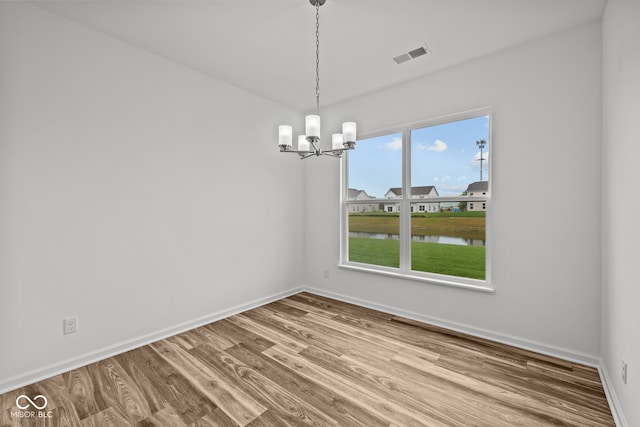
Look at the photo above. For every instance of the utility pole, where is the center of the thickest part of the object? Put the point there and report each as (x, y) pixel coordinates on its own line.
(481, 144)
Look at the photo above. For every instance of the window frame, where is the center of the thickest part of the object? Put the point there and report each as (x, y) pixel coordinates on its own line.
(404, 270)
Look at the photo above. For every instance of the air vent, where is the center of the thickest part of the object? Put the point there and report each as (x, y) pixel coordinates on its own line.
(402, 58)
(412, 54)
(418, 52)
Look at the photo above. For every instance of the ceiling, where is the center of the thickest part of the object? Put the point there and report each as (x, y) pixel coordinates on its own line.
(268, 46)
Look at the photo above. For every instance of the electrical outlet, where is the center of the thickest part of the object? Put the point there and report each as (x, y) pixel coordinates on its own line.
(70, 325)
(326, 272)
(624, 371)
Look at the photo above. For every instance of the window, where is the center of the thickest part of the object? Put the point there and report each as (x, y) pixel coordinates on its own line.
(428, 198)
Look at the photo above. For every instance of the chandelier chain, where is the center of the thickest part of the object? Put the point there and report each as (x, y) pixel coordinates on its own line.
(318, 57)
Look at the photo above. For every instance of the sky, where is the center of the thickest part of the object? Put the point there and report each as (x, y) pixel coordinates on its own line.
(445, 156)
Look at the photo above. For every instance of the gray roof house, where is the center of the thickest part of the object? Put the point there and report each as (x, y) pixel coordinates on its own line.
(423, 191)
(477, 189)
(355, 194)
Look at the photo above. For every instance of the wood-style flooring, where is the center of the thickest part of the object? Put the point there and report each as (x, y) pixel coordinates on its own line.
(307, 360)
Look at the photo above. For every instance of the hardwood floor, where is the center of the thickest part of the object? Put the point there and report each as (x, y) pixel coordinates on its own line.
(310, 360)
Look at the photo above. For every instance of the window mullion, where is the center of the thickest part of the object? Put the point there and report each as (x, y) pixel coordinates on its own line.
(344, 212)
(405, 211)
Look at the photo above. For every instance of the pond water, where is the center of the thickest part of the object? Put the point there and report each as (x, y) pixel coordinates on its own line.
(447, 240)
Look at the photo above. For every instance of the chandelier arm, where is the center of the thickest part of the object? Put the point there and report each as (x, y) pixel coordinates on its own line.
(316, 152)
(330, 153)
(314, 143)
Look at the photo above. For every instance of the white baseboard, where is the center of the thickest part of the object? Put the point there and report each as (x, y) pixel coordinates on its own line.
(92, 357)
(40, 374)
(614, 403)
(562, 353)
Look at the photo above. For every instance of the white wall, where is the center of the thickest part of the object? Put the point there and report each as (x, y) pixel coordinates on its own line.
(124, 191)
(546, 100)
(123, 180)
(620, 230)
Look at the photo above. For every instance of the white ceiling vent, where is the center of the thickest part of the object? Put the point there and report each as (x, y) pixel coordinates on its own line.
(412, 54)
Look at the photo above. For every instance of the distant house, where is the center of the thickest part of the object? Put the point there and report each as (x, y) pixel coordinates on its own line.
(423, 192)
(477, 189)
(355, 194)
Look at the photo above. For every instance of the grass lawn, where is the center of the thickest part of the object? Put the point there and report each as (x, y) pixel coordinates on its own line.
(375, 251)
(469, 225)
(452, 260)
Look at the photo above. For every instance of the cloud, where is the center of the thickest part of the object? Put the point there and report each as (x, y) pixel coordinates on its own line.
(441, 179)
(475, 165)
(484, 154)
(395, 144)
(462, 178)
(438, 146)
(475, 160)
(420, 146)
(452, 189)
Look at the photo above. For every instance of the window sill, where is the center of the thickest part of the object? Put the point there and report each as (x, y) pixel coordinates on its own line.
(470, 284)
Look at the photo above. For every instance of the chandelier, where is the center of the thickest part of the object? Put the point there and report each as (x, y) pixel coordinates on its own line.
(309, 143)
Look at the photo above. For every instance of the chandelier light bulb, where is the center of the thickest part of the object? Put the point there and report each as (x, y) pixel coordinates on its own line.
(337, 141)
(303, 144)
(312, 126)
(285, 133)
(349, 131)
